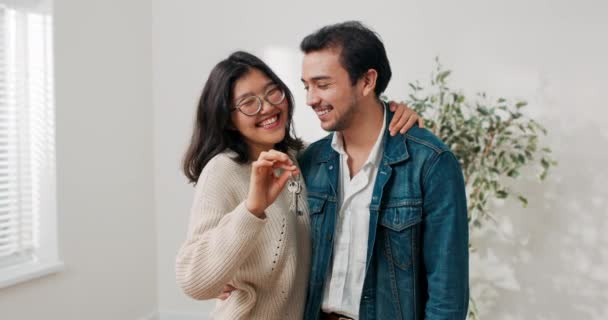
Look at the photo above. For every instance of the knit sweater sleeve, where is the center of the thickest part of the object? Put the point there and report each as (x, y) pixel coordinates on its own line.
(221, 234)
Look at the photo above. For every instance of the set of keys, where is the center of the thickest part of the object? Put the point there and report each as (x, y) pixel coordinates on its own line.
(294, 187)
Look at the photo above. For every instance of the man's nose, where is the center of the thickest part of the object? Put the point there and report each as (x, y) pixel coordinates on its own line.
(312, 98)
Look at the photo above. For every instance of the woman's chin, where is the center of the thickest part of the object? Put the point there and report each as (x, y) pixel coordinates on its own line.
(278, 138)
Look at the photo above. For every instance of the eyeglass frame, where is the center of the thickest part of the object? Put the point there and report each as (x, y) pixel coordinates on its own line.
(261, 101)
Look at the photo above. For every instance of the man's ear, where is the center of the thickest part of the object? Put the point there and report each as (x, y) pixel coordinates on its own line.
(368, 80)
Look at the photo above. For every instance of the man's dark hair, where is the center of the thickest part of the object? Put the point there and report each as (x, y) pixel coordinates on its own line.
(360, 50)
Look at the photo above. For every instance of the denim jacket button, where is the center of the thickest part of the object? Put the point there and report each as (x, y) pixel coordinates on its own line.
(331, 167)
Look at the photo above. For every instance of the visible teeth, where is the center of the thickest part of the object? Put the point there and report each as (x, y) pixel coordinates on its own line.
(321, 112)
(270, 121)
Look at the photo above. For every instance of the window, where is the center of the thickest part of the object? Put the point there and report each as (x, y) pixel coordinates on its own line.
(28, 230)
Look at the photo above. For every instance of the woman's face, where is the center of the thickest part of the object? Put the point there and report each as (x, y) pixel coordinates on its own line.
(266, 128)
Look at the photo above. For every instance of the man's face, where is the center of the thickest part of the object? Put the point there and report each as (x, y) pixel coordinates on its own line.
(330, 92)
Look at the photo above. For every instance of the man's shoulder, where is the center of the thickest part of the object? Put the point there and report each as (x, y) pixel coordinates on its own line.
(427, 149)
(422, 139)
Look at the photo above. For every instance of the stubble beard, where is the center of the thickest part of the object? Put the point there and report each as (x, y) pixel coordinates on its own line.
(345, 121)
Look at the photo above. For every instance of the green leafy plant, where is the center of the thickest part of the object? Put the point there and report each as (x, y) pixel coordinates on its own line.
(493, 139)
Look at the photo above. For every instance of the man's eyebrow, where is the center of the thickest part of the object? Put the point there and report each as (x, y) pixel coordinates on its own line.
(318, 78)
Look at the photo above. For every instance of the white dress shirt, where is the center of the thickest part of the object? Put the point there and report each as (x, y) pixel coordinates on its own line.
(343, 287)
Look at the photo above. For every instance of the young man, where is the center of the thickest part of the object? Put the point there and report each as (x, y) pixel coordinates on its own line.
(388, 213)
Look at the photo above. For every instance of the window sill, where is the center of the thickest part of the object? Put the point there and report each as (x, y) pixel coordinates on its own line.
(19, 273)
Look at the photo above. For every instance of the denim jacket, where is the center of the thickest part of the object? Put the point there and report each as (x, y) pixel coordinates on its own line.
(417, 256)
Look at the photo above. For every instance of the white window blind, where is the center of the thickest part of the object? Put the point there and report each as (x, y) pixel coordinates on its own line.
(27, 133)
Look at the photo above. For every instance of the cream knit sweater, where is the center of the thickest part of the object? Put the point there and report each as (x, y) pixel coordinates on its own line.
(267, 261)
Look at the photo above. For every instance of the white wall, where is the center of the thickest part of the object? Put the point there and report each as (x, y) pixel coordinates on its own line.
(105, 169)
(552, 259)
(120, 138)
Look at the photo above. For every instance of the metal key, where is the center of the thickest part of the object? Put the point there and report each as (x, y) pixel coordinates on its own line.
(294, 187)
(295, 202)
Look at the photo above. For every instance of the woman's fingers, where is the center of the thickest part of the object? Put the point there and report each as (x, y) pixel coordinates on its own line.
(261, 163)
(274, 159)
(274, 155)
(399, 110)
(226, 291)
(404, 118)
(281, 181)
(410, 123)
(392, 105)
(271, 165)
(399, 123)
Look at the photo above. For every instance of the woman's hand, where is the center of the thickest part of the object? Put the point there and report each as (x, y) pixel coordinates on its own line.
(265, 186)
(404, 118)
(226, 292)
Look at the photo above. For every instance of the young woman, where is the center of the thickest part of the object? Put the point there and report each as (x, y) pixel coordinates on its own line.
(247, 231)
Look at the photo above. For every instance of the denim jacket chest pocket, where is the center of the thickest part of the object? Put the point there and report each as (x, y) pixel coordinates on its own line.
(315, 203)
(400, 222)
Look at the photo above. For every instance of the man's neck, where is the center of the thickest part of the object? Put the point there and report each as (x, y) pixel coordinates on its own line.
(365, 127)
(359, 139)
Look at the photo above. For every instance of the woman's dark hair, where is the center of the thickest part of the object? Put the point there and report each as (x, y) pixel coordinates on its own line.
(360, 50)
(212, 127)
